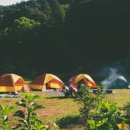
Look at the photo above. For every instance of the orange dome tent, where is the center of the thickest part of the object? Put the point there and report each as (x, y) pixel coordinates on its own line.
(11, 83)
(86, 79)
(46, 81)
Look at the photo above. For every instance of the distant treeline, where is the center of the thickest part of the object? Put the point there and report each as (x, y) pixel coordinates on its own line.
(63, 36)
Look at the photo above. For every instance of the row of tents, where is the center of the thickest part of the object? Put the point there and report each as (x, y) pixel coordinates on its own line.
(44, 82)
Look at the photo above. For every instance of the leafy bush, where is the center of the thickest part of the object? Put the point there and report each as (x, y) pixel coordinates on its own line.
(29, 120)
(69, 120)
(28, 117)
(97, 113)
(4, 111)
(126, 112)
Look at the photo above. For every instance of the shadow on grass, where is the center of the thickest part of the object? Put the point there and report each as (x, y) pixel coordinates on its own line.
(57, 97)
(69, 121)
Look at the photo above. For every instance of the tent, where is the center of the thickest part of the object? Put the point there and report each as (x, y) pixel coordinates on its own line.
(119, 82)
(75, 81)
(116, 82)
(11, 83)
(45, 82)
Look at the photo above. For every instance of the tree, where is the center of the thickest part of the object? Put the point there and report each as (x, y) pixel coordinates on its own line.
(24, 23)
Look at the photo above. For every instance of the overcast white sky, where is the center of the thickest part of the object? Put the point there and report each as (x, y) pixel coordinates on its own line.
(10, 2)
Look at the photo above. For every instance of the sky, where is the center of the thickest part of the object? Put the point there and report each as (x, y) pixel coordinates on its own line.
(10, 2)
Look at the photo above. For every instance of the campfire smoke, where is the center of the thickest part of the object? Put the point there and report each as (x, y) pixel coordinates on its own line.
(114, 80)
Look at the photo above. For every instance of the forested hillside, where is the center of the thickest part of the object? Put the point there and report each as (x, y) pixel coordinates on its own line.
(64, 36)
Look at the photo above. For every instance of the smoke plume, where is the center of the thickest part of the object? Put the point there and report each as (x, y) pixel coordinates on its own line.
(114, 80)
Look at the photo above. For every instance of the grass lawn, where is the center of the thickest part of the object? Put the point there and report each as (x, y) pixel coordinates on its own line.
(120, 96)
(65, 110)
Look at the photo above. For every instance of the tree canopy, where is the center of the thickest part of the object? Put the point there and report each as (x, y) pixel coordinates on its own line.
(62, 35)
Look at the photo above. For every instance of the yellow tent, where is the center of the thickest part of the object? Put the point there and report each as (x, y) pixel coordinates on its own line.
(11, 83)
(85, 78)
(46, 81)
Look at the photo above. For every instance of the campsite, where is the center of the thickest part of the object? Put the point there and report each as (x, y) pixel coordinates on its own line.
(64, 64)
(56, 107)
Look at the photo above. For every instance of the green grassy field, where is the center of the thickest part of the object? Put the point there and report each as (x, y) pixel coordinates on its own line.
(57, 108)
(120, 96)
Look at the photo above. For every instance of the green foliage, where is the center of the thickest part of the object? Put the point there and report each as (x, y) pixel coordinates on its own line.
(58, 13)
(89, 101)
(52, 126)
(27, 117)
(97, 113)
(126, 112)
(69, 120)
(66, 8)
(29, 120)
(4, 111)
(126, 108)
(106, 116)
(72, 27)
(24, 23)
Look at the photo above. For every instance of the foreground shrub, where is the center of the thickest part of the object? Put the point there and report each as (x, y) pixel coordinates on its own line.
(69, 120)
(97, 113)
(4, 111)
(29, 120)
(126, 112)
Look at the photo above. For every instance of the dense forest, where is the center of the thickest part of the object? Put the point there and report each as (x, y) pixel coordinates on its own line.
(64, 37)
